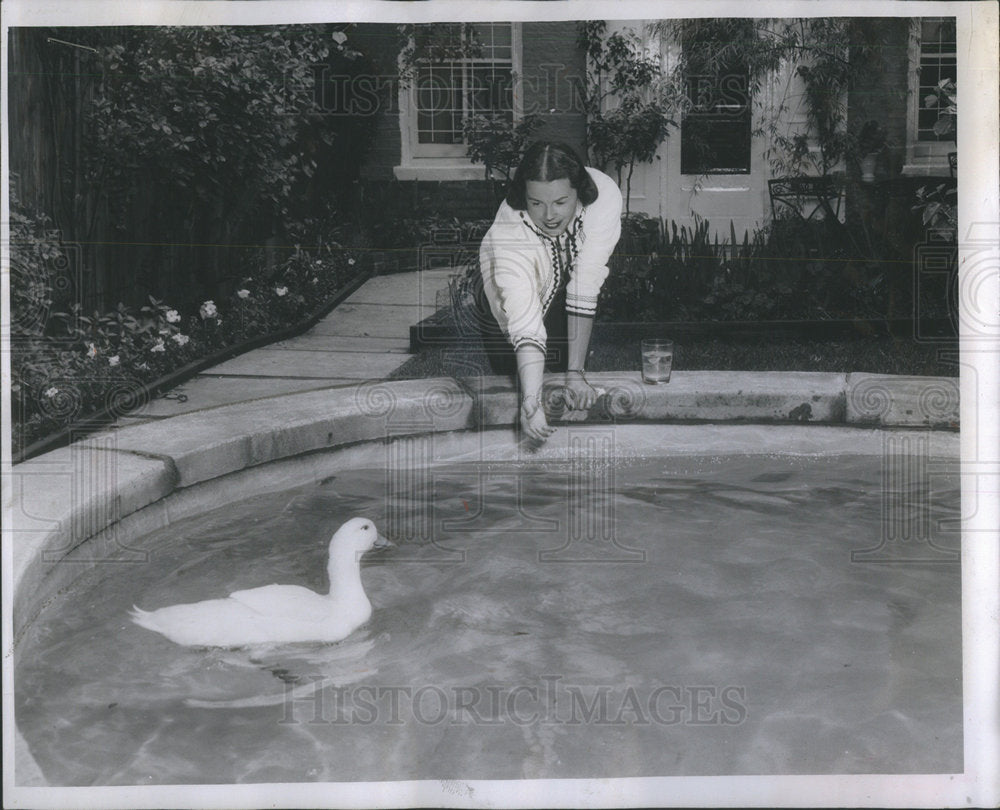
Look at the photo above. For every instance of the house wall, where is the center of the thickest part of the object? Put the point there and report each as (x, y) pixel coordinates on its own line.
(883, 97)
(660, 189)
(553, 71)
(884, 208)
(552, 74)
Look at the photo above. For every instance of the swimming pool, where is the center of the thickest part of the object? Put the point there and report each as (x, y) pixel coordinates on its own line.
(634, 600)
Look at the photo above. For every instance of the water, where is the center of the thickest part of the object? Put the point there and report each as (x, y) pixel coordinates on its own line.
(656, 366)
(663, 617)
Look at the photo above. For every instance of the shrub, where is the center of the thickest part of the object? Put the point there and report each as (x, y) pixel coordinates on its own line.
(790, 269)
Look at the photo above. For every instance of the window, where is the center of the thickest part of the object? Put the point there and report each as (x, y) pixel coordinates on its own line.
(474, 75)
(937, 63)
(715, 132)
(932, 58)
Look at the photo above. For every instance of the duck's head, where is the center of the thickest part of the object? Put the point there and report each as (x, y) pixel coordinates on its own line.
(358, 535)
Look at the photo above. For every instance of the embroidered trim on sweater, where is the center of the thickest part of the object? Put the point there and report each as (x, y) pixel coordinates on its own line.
(568, 243)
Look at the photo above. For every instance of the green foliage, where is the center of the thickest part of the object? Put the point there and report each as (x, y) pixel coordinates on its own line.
(945, 98)
(938, 207)
(631, 105)
(497, 141)
(434, 43)
(791, 269)
(214, 114)
(175, 144)
(35, 253)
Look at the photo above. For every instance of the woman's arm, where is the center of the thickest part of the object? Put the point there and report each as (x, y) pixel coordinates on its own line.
(506, 262)
(601, 230)
(578, 328)
(530, 368)
(582, 393)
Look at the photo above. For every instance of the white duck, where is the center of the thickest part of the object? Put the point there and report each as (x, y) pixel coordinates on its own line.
(276, 614)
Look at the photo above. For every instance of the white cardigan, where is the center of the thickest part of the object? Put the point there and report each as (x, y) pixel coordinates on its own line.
(516, 263)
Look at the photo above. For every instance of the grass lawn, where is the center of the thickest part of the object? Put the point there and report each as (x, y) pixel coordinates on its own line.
(881, 355)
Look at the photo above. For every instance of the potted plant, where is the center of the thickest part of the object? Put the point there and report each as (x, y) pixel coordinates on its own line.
(871, 144)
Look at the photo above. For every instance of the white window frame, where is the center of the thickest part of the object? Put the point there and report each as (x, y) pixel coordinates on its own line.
(446, 161)
(923, 158)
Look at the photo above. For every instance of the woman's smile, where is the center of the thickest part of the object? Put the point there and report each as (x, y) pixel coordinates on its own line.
(551, 204)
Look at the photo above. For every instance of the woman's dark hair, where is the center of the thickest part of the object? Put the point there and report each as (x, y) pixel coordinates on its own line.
(550, 160)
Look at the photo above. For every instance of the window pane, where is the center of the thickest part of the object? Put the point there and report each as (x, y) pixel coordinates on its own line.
(716, 144)
(937, 63)
(715, 132)
(490, 89)
(493, 41)
(439, 104)
(450, 89)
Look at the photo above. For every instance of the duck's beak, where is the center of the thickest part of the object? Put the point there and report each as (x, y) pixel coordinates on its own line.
(381, 541)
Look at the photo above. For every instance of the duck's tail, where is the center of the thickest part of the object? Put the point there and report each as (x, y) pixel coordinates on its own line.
(142, 618)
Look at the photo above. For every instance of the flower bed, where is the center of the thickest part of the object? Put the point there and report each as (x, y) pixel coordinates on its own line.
(72, 371)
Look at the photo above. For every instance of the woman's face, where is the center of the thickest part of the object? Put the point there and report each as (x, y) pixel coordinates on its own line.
(551, 204)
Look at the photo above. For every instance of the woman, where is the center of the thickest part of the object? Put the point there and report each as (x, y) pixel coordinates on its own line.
(543, 262)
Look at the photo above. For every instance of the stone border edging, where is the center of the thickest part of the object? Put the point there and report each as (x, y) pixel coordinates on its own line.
(65, 497)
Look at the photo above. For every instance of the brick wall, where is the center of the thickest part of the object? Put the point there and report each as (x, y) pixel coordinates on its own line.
(554, 72)
(883, 95)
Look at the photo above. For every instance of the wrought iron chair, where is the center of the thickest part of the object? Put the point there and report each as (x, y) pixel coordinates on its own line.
(819, 195)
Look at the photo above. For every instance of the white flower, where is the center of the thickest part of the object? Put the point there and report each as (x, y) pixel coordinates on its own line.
(51, 392)
(180, 340)
(173, 316)
(114, 360)
(91, 350)
(158, 346)
(351, 262)
(314, 280)
(280, 291)
(144, 366)
(243, 293)
(208, 310)
(339, 37)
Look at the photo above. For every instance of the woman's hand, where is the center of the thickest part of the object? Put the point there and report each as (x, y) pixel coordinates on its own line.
(533, 422)
(582, 395)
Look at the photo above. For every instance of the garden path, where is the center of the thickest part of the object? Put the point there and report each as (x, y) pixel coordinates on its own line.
(365, 337)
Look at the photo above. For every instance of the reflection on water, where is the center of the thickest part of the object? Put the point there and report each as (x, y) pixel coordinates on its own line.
(675, 617)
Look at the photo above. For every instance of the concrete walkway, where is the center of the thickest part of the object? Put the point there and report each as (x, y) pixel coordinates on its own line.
(365, 337)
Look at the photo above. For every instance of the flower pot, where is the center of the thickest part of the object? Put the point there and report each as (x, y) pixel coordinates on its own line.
(868, 167)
